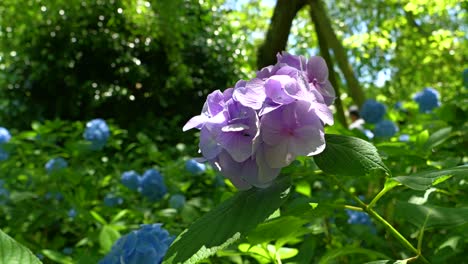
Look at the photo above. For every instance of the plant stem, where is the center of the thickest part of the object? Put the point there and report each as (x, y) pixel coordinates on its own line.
(384, 222)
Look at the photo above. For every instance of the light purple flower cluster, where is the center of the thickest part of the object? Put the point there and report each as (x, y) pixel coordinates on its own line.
(251, 131)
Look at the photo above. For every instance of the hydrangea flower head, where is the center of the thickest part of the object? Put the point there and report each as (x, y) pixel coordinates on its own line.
(177, 201)
(147, 245)
(55, 164)
(5, 135)
(97, 132)
(111, 200)
(195, 167)
(152, 185)
(249, 132)
(372, 111)
(428, 99)
(360, 218)
(131, 180)
(385, 129)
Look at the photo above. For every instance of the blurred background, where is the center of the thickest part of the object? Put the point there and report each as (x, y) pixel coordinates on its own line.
(148, 65)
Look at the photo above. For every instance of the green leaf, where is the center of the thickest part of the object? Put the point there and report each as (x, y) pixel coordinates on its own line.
(228, 222)
(436, 216)
(107, 237)
(422, 181)
(12, 252)
(57, 256)
(438, 137)
(350, 156)
(332, 254)
(286, 227)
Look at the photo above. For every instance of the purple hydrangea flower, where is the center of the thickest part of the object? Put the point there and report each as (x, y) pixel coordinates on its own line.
(428, 99)
(55, 164)
(372, 111)
(131, 180)
(97, 132)
(195, 167)
(385, 129)
(177, 201)
(147, 245)
(152, 185)
(251, 131)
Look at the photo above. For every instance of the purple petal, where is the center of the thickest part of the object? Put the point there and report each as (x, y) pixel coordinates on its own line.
(323, 112)
(317, 69)
(233, 170)
(275, 88)
(298, 62)
(251, 95)
(215, 102)
(196, 121)
(266, 174)
(209, 147)
(237, 145)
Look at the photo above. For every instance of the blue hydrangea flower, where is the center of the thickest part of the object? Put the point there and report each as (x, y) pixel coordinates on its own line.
(111, 200)
(385, 129)
(368, 133)
(152, 185)
(5, 135)
(72, 213)
(131, 180)
(404, 138)
(67, 251)
(56, 164)
(147, 245)
(356, 217)
(249, 132)
(195, 167)
(428, 99)
(372, 111)
(177, 201)
(97, 132)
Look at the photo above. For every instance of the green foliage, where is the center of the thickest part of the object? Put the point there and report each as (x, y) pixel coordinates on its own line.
(349, 156)
(227, 223)
(14, 253)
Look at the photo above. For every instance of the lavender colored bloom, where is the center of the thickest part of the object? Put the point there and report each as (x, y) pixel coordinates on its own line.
(131, 180)
(195, 167)
(385, 129)
(56, 164)
(249, 132)
(152, 185)
(428, 99)
(372, 111)
(111, 200)
(5, 135)
(177, 201)
(97, 132)
(147, 245)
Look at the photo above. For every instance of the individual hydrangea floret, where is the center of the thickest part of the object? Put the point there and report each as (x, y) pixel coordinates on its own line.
(251, 131)
(147, 245)
(385, 129)
(177, 201)
(195, 167)
(97, 132)
(5, 135)
(111, 200)
(428, 99)
(152, 185)
(55, 164)
(131, 180)
(372, 111)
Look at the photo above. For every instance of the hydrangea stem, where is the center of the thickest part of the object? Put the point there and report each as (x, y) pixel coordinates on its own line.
(384, 222)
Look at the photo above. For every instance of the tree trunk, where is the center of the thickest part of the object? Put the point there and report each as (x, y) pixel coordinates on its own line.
(278, 31)
(322, 21)
(325, 52)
